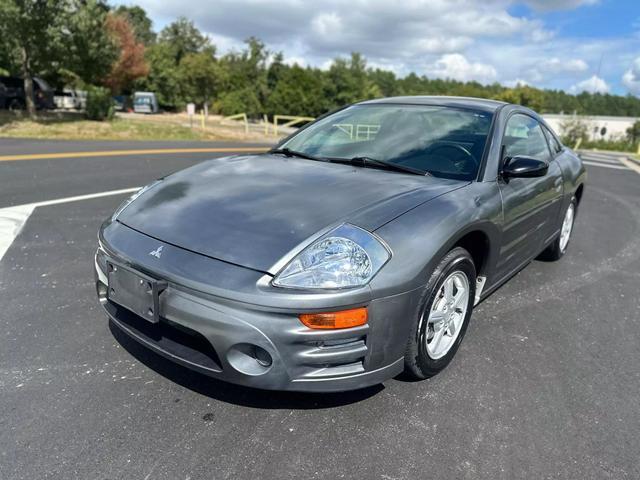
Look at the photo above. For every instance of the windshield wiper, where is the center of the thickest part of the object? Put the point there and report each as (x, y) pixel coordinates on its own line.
(368, 161)
(356, 161)
(293, 153)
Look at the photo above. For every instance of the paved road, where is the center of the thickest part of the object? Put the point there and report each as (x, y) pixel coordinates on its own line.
(545, 384)
(28, 181)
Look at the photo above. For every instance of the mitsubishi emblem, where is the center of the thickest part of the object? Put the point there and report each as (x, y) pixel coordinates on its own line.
(157, 252)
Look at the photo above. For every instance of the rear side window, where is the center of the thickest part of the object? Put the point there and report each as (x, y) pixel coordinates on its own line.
(524, 138)
(556, 146)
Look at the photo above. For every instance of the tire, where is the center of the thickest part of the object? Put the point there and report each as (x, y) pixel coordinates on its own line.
(425, 356)
(15, 105)
(559, 246)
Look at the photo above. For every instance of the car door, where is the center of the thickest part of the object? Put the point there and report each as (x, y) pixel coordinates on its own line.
(530, 205)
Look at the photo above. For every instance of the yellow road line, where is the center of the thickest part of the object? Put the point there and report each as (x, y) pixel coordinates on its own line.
(118, 153)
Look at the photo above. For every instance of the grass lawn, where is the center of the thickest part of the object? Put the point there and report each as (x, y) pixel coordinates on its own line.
(73, 126)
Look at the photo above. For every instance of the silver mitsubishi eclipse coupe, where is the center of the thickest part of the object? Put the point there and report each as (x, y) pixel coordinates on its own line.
(353, 251)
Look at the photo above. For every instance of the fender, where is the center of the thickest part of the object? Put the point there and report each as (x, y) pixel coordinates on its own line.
(422, 236)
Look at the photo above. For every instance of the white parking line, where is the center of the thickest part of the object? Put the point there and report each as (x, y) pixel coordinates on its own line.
(605, 165)
(12, 219)
(602, 156)
(618, 161)
(614, 161)
(631, 164)
(89, 196)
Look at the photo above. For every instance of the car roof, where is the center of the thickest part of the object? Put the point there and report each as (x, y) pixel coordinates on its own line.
(463, 102)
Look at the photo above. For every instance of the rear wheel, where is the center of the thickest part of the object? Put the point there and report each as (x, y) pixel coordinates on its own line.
(443, 316)
(557, 249)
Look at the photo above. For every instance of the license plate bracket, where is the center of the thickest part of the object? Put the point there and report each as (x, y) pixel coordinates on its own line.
(134, 291)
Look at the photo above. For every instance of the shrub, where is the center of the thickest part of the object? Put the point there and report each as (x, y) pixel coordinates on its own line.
(633, 132)
(240, 101)
(617, 145)
(573, 129)
(99, 104)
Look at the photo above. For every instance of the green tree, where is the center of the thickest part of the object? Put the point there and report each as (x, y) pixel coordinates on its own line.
(163, 77)
(29, 28)
(175, 42)
(386, 82)
(141, 23)
(633, 132)
(182, 37)
(246, 71)
(349, 80)
(523, 95)
(200, 77)
(87, 49)
(299, 91)
(239, 101)
(9, 62)
(276, 70)
(574, 129)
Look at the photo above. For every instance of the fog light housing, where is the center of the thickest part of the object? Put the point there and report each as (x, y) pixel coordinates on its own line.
(249, 359)
(262, 356)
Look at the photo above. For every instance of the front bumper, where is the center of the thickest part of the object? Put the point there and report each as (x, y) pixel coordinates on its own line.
(258, 346)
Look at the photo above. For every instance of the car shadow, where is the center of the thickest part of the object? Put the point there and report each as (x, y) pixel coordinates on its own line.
(404, 377)
(237, 394)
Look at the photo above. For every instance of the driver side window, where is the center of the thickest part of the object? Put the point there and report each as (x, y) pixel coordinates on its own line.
(524, 137)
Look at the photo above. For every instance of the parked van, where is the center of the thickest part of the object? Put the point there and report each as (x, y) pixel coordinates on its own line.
(145, 102)
(14, 96)
(121, 103)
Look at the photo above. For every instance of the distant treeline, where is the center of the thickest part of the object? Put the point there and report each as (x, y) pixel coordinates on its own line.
(87, 42)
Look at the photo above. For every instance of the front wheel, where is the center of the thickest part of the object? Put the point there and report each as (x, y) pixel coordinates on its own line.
(557, 249)
(443, 316)
(15, 105)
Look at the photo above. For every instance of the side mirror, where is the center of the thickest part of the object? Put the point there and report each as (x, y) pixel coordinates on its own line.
(524, 167)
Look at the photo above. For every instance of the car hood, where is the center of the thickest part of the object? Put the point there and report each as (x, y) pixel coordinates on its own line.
(252, 210)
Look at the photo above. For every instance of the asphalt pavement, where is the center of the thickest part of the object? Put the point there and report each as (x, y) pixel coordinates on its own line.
(545, 384)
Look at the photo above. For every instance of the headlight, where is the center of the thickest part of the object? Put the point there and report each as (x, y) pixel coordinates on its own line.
(128, 201)
(345, 257)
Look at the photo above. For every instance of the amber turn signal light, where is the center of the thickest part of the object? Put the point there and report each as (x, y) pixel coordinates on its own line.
(342, 319)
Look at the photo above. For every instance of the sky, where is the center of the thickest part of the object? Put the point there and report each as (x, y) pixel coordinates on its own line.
(574, 45)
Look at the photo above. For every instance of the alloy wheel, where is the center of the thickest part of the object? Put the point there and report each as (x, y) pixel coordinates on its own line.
(567, 226)
(447, 314)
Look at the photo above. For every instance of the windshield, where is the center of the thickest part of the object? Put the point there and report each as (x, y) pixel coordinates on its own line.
(41, 84)
(444, 141)
(142, 101)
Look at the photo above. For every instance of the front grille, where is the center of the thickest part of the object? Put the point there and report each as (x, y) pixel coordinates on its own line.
(177, 340)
